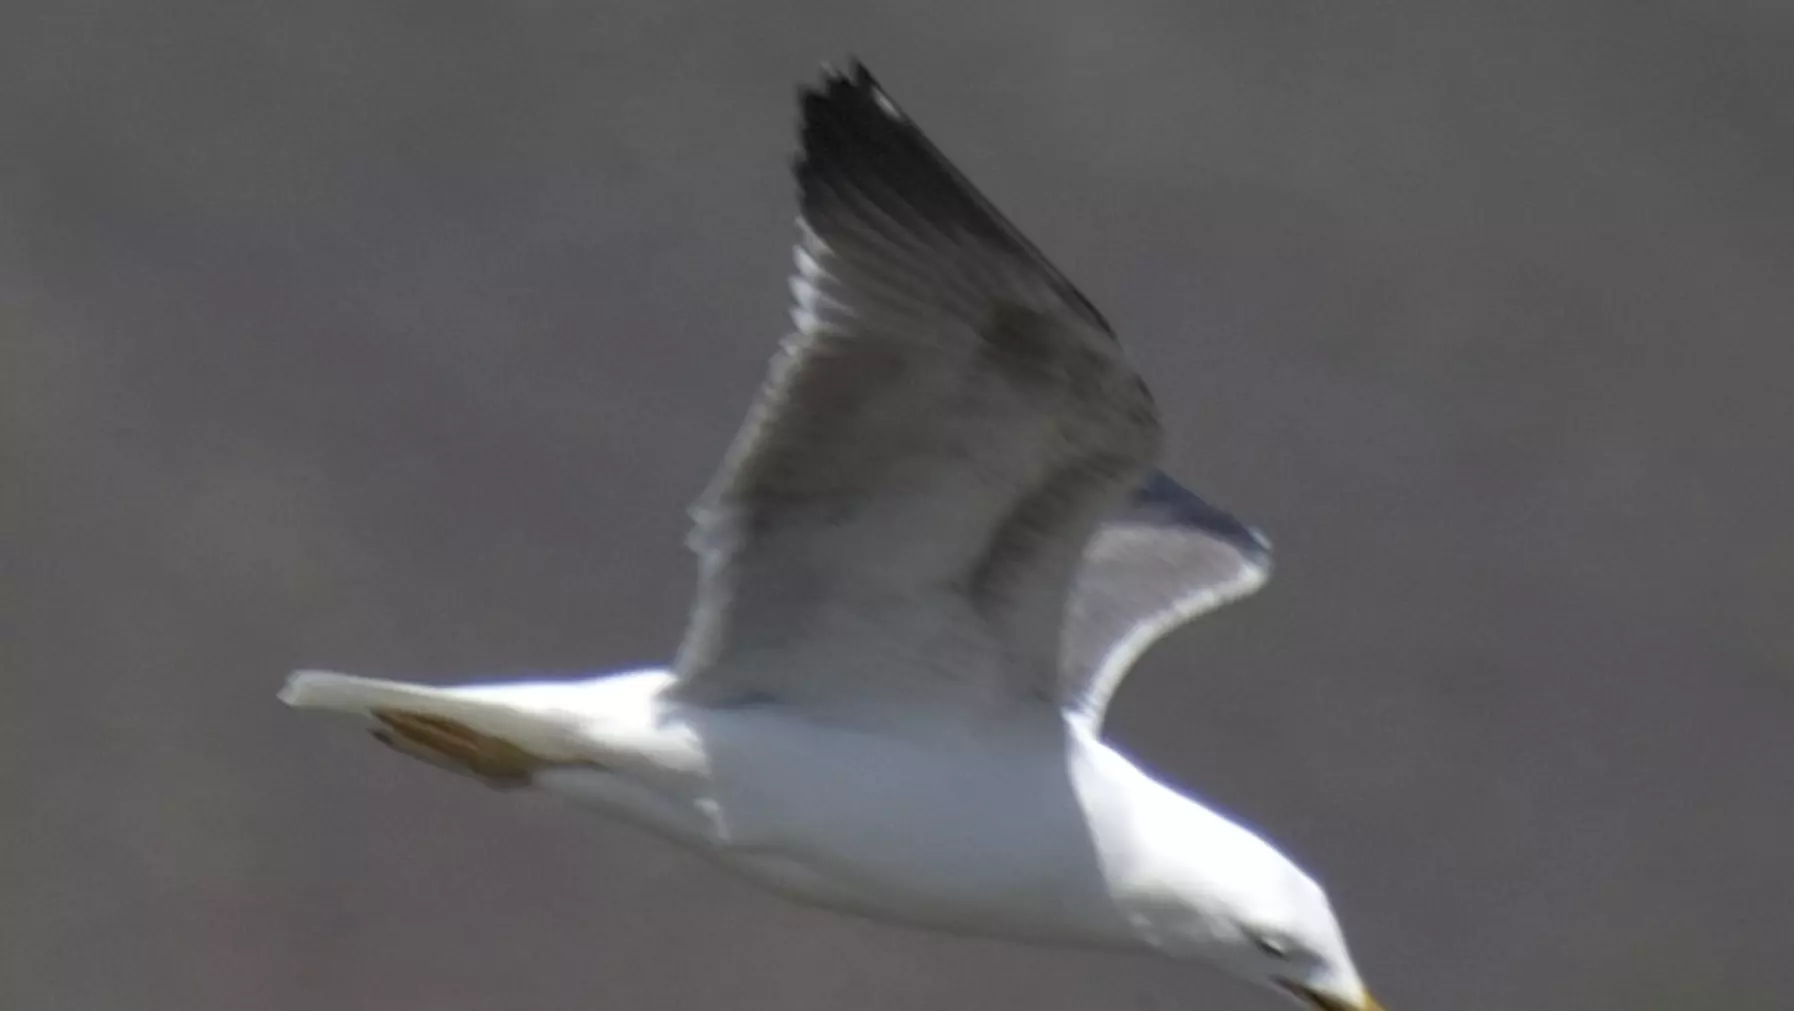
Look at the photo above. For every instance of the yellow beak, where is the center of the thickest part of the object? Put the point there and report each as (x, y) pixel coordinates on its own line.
(1324, 1002)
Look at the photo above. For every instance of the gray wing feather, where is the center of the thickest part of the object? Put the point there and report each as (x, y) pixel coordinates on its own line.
(1160, 560)
(904, 508)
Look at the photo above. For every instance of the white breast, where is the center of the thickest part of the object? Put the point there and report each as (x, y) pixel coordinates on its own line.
(974, 832)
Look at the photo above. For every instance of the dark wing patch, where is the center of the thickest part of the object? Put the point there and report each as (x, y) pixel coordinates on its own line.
(856, 140)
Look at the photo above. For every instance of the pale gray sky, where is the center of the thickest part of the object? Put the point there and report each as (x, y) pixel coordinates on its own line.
(395, 338)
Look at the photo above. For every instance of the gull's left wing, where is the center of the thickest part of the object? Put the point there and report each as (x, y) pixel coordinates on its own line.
(902, 513)
(1157, 562)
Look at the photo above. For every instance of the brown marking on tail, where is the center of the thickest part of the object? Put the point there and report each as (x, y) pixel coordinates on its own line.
(454, 746)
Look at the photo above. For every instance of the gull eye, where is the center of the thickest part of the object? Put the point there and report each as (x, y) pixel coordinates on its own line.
(1275, 947)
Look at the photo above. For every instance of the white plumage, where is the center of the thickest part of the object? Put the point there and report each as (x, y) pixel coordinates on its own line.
(929, 558)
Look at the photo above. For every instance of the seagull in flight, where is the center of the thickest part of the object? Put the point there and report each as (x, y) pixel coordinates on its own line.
(927, 561)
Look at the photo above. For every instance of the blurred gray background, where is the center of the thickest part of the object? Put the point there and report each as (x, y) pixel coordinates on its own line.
(395, 337)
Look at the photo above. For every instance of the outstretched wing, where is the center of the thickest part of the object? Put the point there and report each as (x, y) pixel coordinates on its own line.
(900, 517)
(1157, 562)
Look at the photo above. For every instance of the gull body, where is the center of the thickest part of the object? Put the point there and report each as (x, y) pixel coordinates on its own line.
(929, 559)
(1020, 825)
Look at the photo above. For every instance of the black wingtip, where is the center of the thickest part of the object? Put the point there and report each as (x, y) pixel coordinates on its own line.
(843, 84)
(1159, 492)
(855, 75)
(848, 110)
(855, 140)
(856, 144)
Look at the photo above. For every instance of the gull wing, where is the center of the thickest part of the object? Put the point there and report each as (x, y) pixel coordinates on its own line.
(1159, 561)
(900, 517)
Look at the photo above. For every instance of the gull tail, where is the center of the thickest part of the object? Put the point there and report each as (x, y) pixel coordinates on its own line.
(501, 734)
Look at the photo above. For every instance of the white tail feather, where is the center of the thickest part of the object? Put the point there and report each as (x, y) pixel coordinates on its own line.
(545, 730)
(344, 693)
